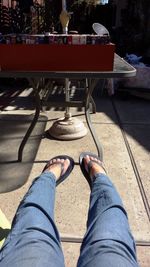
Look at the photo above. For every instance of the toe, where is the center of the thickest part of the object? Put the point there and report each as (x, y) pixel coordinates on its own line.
(66, 163)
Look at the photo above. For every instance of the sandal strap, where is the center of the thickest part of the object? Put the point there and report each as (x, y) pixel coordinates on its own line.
(63, 175)
(55, 163)
(90, 164)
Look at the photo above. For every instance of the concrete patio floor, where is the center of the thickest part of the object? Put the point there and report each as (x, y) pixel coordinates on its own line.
(123, 127)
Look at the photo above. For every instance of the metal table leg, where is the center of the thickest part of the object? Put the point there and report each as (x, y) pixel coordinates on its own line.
(91, 86)
(35, 84)
(91, 98)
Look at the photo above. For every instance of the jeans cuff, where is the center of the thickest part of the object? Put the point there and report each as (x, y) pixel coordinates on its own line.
(48, 175)
(100, 176)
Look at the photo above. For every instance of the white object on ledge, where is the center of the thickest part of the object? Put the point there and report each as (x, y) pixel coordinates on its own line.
(99, 29)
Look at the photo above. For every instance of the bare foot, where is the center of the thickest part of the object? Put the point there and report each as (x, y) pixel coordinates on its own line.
(55, 166)
(95, 168)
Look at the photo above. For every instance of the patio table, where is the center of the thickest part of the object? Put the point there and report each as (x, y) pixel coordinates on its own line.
(121, 69)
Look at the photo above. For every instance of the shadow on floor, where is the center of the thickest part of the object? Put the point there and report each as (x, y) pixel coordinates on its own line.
(129, 111)
(14, 174)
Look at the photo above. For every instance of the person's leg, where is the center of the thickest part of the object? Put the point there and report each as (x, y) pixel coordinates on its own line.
(34, 239)
(108, 241)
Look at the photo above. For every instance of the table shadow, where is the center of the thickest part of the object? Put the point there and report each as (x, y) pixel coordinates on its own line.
(14, 174)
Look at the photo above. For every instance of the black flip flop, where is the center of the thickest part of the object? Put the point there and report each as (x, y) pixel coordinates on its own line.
(68, 171)
(82, 166)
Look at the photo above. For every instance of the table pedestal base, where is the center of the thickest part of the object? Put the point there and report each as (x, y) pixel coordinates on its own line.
(68, 129)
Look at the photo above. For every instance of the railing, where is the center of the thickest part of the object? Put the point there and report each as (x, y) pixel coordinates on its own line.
(20, 16)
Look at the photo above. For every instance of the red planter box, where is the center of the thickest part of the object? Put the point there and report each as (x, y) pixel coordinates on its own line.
(56, 57)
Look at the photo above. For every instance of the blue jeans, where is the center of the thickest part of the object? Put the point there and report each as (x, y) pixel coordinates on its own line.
(34, 239)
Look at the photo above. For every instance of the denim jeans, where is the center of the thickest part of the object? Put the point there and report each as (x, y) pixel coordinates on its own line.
(34, 239)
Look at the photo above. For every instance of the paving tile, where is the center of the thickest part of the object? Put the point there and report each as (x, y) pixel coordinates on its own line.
(104, 109)
(133, 110)
(143, 255)
(120, 169)
(138, 137)
(13, 127)
(71, 254)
